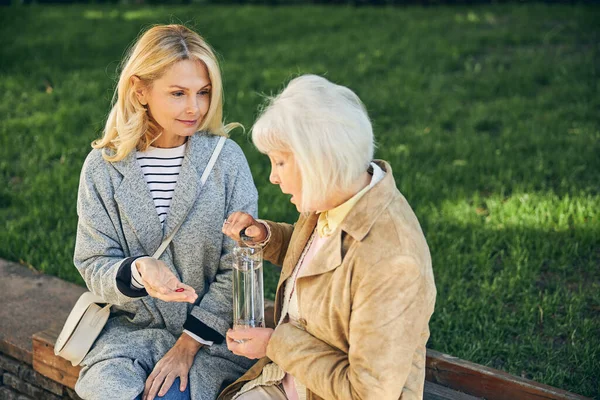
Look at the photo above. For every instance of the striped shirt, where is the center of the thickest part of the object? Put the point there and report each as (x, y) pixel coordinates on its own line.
(161, 169)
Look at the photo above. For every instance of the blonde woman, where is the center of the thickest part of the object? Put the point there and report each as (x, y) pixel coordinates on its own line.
(356, 289)
(165, 337)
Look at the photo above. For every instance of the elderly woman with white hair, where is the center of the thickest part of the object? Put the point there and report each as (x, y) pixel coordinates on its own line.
(356, 290)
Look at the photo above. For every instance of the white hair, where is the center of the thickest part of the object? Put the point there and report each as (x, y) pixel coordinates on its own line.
(327, 129)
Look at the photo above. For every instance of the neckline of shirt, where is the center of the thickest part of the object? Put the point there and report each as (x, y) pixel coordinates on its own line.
(164, 152)
(329, 220)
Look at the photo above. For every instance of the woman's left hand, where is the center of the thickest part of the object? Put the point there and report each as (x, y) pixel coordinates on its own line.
(176, 363)
(253, 344)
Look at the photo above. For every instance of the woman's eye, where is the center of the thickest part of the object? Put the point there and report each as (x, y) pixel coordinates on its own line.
(177, 94)
(279, 164)
(204, 93)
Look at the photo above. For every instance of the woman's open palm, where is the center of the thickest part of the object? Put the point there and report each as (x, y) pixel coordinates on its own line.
(160, 282)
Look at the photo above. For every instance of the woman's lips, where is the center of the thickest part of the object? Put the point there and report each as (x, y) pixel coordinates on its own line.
(188, 122)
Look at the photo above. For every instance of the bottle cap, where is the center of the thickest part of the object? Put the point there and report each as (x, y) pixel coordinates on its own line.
(244, 237)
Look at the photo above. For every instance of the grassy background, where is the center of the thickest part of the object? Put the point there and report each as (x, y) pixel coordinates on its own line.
(490, 117)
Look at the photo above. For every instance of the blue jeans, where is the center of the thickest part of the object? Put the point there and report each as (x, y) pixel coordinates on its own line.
(173, 393)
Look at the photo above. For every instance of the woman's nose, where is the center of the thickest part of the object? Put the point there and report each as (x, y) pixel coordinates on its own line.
(192, 106)
(273, 178)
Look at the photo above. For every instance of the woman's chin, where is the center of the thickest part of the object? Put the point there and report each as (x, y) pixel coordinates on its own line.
(301, 209)
(293, 201)
(299, 206)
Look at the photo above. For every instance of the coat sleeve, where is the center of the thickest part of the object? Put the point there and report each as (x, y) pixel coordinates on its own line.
(98, 250)
(389, 315)
(212, 316)
(276, 249)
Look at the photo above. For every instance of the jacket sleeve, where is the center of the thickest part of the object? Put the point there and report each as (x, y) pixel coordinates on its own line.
(388, 318)
(211, 317)
(276, 249)
(98, 251)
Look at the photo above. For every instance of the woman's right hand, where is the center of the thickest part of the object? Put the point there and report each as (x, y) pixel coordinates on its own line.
(240, 220)
(161, 283)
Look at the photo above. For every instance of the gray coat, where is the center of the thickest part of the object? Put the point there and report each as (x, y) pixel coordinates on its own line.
(117, 219)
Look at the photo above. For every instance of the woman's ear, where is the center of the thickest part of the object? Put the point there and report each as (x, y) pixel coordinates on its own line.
(140, 89)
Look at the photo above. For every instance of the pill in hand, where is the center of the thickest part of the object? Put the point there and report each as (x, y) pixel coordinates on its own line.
(179, 290)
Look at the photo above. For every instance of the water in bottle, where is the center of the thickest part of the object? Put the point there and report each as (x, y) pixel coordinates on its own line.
(248, 294)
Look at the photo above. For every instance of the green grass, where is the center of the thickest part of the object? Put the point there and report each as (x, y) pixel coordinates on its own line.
(488, 115)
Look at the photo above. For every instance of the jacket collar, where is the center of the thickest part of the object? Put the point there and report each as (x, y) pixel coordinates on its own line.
(357, 223)
(363, 215)
(135, 200)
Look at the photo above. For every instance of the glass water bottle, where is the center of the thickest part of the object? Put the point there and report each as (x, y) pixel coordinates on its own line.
(248, 294)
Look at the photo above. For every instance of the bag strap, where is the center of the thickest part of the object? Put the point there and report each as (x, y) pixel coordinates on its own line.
(203, 179)
(88, 298)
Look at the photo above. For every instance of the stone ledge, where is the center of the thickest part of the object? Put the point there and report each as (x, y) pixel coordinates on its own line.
(31, 302)
(19, 381)
(9, 394)
(25, 372)
(27, 388)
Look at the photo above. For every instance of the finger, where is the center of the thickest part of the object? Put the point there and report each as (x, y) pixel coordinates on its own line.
(186, 288)
(225, 228)
(154, 292)
(148, 384)
(177, 287)
(157, 295)
(156, 384)
(229, 222)
(183, 382)
(177, 297)
(256, 232)
(235, 347)
(241, 224)
(169, 379)
(253, 231)
(230, 342)
(182, 292)
(237, 222)
(188, 294)
(239, 334)
(174, 290)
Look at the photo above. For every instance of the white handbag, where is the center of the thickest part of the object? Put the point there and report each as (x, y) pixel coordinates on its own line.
(91, 312)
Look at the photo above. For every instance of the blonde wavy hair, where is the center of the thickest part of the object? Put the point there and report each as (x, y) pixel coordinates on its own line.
(128, 125)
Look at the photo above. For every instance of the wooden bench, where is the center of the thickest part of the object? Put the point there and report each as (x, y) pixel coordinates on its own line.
(447, 377)
(35, 306)
(61, 371)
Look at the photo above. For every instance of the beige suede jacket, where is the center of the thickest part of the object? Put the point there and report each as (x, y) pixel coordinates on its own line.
(365, 302)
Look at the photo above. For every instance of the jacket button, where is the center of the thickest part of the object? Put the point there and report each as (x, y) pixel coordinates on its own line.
(302, 322)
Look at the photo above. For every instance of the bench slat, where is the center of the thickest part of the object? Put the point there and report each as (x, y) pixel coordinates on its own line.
(433, 391)
(50, 365)
(482, 381)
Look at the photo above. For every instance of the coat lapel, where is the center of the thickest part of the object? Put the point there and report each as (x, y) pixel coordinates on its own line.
(357, 224)
(135, 203)
(328, 257)
(188, 185)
